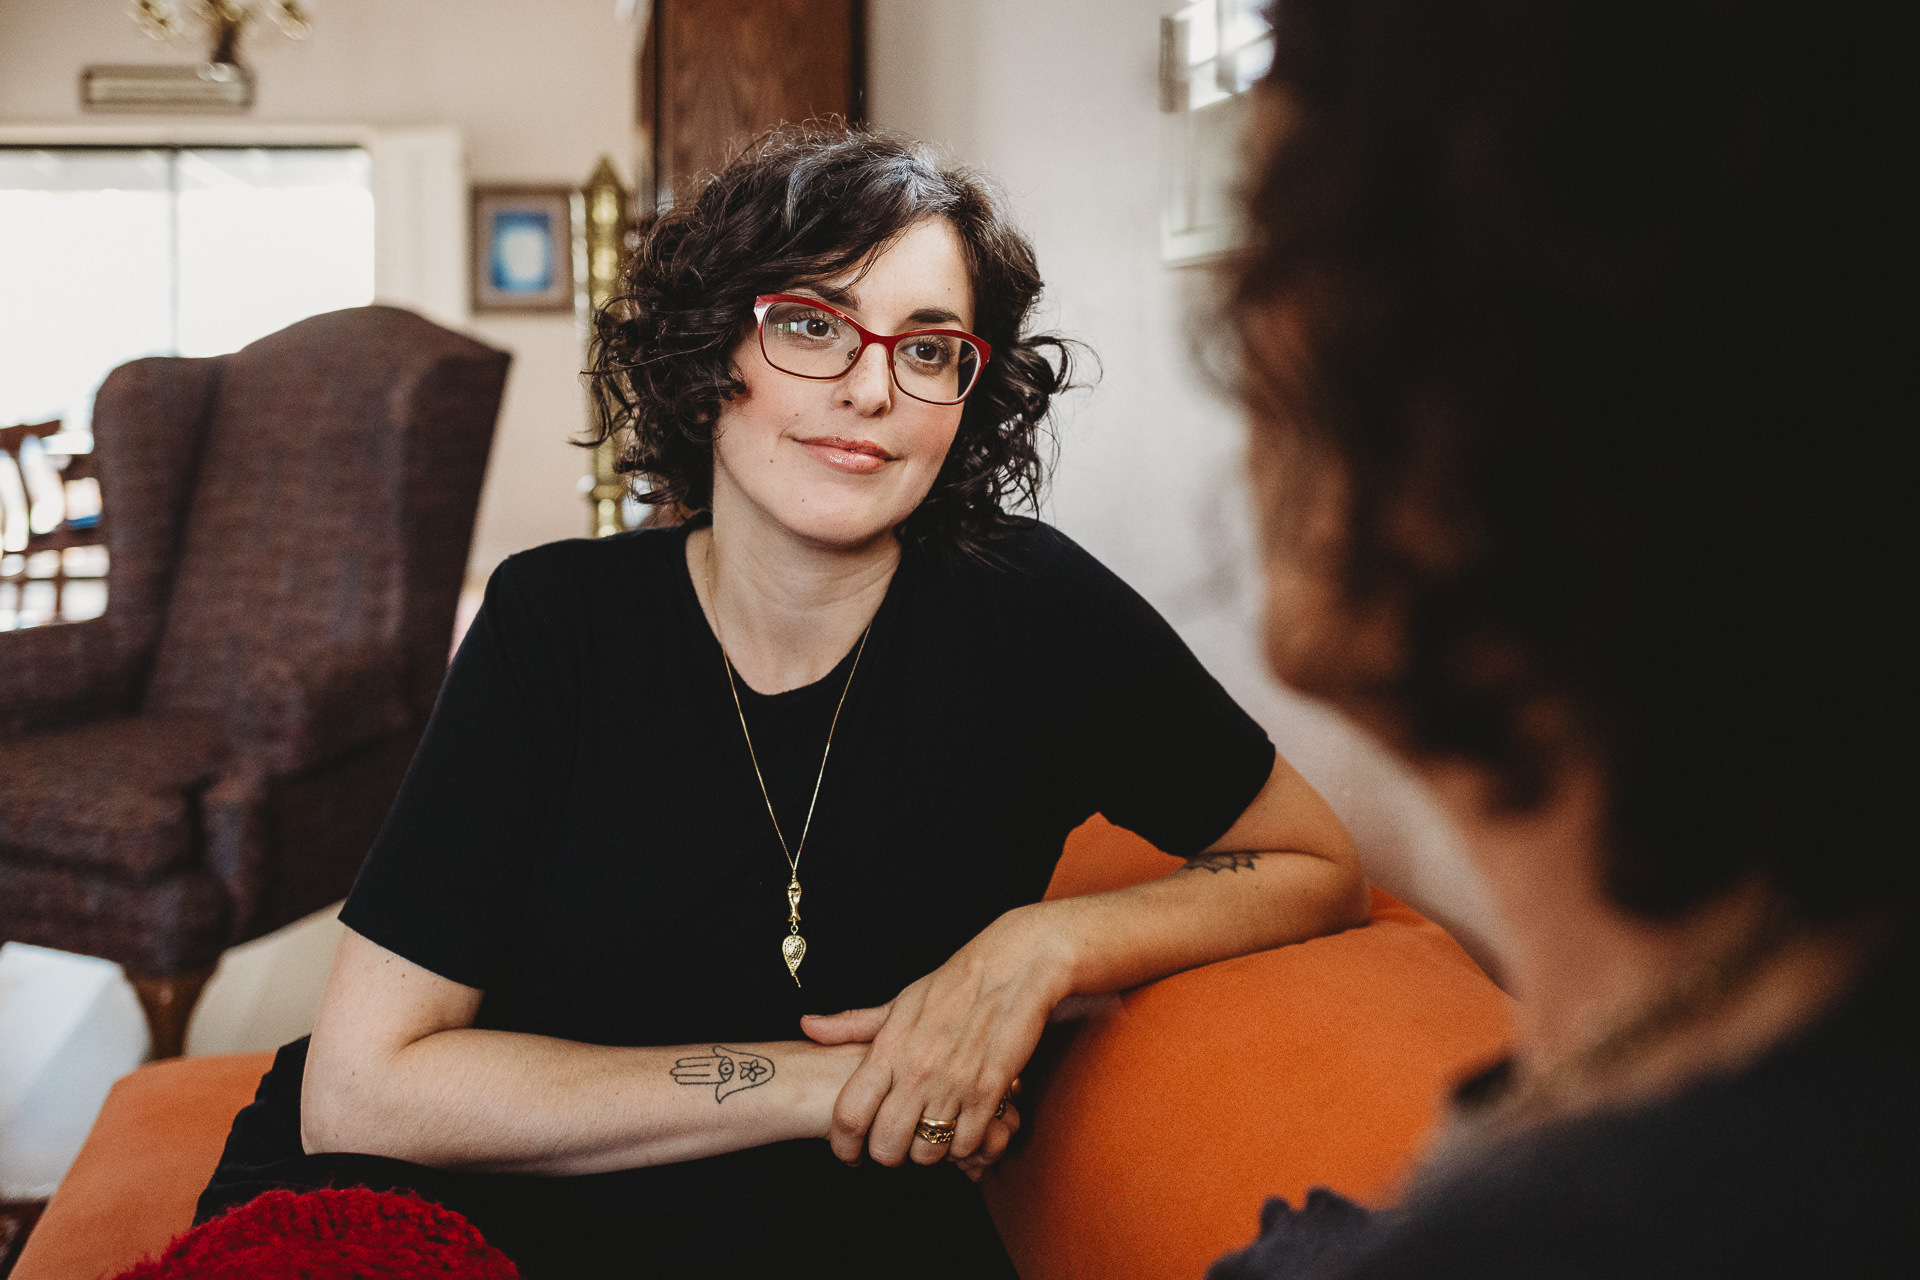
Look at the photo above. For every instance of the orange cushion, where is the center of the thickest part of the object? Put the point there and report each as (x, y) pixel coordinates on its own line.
(135, 1182)
(1170, 1119)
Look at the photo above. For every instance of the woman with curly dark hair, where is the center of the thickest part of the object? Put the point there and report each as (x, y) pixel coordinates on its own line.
(1580, 364)
(720, 866)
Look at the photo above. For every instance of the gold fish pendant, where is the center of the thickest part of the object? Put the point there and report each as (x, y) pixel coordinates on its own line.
(793, 947)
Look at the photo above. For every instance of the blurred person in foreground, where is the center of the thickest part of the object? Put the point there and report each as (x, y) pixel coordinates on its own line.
(1575, 343)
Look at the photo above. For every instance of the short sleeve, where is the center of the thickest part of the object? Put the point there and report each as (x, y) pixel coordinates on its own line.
(1154, 743)
(442, 883)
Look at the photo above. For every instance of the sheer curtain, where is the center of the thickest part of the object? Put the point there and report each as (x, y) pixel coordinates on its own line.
(109, 254)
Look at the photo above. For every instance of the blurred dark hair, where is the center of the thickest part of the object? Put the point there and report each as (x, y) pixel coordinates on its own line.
(800, 206)
(1587, 313)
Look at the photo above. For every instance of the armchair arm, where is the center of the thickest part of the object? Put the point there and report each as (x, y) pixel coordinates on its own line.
(308, 709)
(333, 721)
(59, 673)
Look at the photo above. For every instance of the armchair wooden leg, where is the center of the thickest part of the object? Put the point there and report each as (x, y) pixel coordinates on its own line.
(168, 1000)
(16, 1224)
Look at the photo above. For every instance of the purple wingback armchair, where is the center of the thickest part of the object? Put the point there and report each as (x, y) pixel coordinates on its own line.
(288, 529)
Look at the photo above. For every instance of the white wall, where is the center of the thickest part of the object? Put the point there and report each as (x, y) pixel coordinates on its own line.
(538, 90)
(1059, 100)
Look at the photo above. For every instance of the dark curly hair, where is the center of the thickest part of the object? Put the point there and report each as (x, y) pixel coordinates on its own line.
(800, 206)
(1588, 317)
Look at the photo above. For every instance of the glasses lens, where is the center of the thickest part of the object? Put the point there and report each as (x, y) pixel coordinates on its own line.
(807, 341)
(935, 366)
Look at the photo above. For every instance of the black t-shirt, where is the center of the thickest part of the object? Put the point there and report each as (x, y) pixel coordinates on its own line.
(582, 836)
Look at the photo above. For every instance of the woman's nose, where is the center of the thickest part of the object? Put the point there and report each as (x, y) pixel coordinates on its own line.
(868, 387)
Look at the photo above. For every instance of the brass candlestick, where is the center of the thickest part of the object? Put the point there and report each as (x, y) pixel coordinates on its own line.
(600, 213)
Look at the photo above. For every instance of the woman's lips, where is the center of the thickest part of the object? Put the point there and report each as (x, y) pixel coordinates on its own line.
(856, 457)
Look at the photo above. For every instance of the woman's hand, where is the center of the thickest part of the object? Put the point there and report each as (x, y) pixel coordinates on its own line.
(1000, 1131)
(947, 1047)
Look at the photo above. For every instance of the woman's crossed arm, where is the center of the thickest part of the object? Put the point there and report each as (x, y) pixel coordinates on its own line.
(946, 1047)
(397, 1069)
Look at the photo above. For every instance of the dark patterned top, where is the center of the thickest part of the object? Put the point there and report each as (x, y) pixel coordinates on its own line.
(1805, 1163)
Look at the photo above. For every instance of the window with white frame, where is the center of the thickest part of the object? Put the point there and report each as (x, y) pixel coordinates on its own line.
(1212, 52)
(113, 253)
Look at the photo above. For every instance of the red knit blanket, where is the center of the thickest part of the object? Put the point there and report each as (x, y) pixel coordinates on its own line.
(320, 1235)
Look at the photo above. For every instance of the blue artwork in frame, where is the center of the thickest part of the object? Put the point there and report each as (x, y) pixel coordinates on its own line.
(522, 249)
(522, 255)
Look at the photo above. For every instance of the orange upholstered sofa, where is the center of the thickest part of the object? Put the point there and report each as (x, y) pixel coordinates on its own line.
(1155, 1134)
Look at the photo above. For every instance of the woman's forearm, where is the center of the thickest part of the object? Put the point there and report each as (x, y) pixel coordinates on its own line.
(1216, 907)
(953, 1040)
(503, 1102)
(1284, 872)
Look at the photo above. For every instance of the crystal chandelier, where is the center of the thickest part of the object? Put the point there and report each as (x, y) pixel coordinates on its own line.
(221, 83)
(225, 22)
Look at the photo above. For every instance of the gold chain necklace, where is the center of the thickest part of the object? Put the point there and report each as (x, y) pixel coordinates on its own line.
(793, 947)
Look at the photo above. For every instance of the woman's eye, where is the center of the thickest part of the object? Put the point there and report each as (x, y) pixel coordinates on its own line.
(807, 326)
(929, 351)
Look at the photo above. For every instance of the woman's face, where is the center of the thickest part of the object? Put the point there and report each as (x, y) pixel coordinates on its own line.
(840, 463)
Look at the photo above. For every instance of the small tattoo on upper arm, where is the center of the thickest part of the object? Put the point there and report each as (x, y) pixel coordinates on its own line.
(727, 1070)
(1218, 862)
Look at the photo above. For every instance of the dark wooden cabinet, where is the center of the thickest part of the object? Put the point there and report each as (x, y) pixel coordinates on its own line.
(713, 73)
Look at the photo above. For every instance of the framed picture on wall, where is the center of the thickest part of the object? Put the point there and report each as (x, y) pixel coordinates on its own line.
(522, 248)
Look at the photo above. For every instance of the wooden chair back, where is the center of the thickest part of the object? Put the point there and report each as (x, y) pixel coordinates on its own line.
(53, 552)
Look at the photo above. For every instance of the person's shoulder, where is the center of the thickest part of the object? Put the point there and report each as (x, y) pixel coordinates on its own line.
(1028, 536)
(559, 566)
(1800, 1163)
(1025, 549)
(584, 582)
(635, 547)
(1040, 580)
(1072, 577)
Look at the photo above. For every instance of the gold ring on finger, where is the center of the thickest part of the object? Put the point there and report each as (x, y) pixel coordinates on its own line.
(936, 1132)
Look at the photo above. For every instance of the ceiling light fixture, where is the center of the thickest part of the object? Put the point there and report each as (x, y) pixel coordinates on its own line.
(222, 83)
